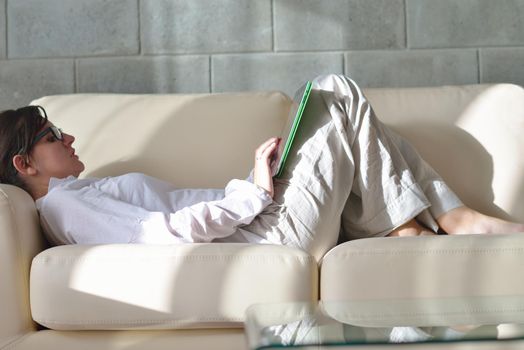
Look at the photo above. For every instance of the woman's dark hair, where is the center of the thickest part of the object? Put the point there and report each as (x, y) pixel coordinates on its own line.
(17, 131)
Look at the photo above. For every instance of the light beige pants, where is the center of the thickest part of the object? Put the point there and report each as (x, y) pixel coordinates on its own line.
(348, 173)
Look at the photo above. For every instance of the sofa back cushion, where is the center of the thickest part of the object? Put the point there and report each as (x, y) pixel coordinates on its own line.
(199, 140)
(470, 134)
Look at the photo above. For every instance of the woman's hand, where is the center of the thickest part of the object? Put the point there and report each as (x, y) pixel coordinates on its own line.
(265, 157)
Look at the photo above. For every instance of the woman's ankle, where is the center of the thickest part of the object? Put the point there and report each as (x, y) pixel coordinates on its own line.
(464, 220)
(410, 228)
(459, 220)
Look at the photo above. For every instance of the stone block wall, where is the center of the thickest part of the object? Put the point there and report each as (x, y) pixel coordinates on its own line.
(193, 46)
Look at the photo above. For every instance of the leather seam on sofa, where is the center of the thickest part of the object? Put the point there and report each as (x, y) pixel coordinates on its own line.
(238, 320)
(10, 344)
(462, 251)
(265, 259)
(471, 312)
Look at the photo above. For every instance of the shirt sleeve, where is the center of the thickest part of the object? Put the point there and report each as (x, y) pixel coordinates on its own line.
(205, 221)
(251, 176)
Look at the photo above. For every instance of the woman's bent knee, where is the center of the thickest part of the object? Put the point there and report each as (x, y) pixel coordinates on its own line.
(337, 83)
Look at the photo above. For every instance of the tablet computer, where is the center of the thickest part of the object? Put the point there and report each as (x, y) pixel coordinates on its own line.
(292, 124)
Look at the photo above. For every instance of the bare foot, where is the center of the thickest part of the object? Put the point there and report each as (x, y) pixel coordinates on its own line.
(464, 220)
(410, 228)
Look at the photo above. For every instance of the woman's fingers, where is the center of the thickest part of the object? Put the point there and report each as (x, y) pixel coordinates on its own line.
(270, 149)
(266, 149)
(269, 141)
(266, 144)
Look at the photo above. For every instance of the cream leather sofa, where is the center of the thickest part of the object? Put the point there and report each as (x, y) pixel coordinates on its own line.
(194, 296)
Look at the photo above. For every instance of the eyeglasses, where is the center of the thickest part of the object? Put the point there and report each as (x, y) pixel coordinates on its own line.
(57, 134)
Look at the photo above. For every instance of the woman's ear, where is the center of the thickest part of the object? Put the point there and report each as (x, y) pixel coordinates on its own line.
(23, 165)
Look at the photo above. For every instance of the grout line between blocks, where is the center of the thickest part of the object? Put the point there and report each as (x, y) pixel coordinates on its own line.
(210, 62)
(75, 76)
(272, 25)
(140, 53)
(479, 67)
(5, 34)
(406, 24)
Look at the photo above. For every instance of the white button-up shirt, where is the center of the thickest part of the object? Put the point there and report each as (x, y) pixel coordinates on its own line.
(135, 208)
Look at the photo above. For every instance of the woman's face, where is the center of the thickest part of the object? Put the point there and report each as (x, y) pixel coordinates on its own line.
(55, 158)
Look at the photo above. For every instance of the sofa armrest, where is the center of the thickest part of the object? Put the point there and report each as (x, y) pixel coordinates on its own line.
(20, 241)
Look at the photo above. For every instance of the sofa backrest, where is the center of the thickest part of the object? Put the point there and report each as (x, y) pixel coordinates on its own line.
(194, 140)
(470, 134)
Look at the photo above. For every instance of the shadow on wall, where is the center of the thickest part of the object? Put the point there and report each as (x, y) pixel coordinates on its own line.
(457, 157)
(475, 148)
(496, 119)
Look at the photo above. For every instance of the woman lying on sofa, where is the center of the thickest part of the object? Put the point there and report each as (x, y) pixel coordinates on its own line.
(350, 174)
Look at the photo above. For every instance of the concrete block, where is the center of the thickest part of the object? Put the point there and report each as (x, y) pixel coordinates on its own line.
(260, 72)
(205, 26)
(339, 24)
(57, 28)
(412, 68)
(465, 23)
(2, 29)
(22, 81)
(502, 65)
(187, 74)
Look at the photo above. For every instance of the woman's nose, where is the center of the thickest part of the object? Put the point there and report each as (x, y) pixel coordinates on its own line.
(68, 139)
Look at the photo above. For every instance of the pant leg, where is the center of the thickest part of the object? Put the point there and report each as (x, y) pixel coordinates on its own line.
(310, 194)
(388, 168)
(344, 169)
(438, 193)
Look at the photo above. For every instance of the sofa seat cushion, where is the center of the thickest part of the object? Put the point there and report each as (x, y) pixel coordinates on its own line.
(424, 267)
(187, 339)
(164, 287)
